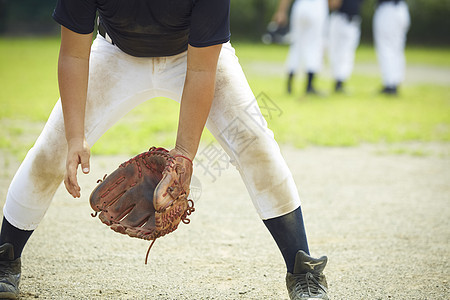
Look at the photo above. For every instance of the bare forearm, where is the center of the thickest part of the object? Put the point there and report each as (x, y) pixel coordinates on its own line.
(283, 5)
(281, 15)
(198, 94)
(73, 70)
(73, 81)
(334, 4)
(194, 111)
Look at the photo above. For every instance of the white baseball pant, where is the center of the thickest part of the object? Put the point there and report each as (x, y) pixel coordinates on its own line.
(344, 37)
(119, 82)
(308, 27)
(390, 25)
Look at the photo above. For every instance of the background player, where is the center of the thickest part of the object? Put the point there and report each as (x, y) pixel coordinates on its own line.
(344, 36)
(307, 32)
(391, 23)
(144, 51)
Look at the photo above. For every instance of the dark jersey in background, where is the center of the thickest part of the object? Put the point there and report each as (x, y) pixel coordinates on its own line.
(351, 7)
(395, 1)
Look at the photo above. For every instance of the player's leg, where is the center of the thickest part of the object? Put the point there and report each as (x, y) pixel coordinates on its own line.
(351, 37)
(239, 126)
(43, 168)
(381, 32)
(334, 49)
(317, 20)
(343, 41)
(311, 40)
(390, 24)
(39, 174)
(402, 22)
(295, 52)
(30, 193)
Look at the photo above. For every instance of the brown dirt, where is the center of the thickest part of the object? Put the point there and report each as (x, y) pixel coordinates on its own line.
(382, 219)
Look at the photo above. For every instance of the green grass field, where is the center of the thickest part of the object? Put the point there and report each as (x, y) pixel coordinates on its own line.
(421, 112)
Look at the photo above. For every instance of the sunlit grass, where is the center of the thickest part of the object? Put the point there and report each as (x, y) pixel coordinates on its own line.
(421, 112)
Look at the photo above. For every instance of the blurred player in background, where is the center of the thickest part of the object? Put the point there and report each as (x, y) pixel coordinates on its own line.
(391, 23)
(308, 21)
(344, 36)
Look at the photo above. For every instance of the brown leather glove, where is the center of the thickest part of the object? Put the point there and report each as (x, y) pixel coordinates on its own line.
(146, 197)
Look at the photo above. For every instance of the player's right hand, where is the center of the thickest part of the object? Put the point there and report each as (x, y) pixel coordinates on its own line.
(281, 18)
(78, 153)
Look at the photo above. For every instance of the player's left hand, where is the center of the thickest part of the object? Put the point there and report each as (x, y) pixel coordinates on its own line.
(78, 153)
(175, 182)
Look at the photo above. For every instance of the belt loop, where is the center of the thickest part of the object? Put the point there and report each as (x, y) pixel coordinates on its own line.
(103, 33)
(108, 38)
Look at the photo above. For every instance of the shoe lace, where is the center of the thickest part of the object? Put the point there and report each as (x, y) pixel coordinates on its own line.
(308, 284)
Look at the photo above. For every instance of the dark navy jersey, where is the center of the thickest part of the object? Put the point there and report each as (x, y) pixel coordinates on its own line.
(150, 28)
(351, 7)
(395, 1)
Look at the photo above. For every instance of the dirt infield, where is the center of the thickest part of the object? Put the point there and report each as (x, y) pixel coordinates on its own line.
(380, 216)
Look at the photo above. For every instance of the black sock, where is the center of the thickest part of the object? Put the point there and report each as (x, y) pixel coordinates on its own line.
(289, 82)
(339, 86)
(288, 231)
(310, 81)
(15, 236)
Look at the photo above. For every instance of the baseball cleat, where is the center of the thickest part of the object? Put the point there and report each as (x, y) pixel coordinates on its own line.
(9, 272)
(389, 90)
(307, 282)
(314, 93)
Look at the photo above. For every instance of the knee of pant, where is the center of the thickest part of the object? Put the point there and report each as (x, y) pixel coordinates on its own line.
(260, 155)
(47, 168)
(246, 140)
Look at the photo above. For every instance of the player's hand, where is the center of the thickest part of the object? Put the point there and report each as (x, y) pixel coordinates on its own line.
(78, 153)
(175, 181)
(281, 18)
(334, 4)
(183, 165)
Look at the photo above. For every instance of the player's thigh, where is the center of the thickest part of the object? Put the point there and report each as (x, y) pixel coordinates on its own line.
(235, 118)
(118, 82)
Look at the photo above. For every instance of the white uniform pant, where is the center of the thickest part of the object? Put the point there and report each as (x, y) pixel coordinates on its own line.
(119, 82)
(308, 27)
(390, 25)
(344, 37)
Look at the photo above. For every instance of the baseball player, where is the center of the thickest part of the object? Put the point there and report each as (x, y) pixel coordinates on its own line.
(391, 23)
(180, 50)
(344, 36)
(307, 31)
